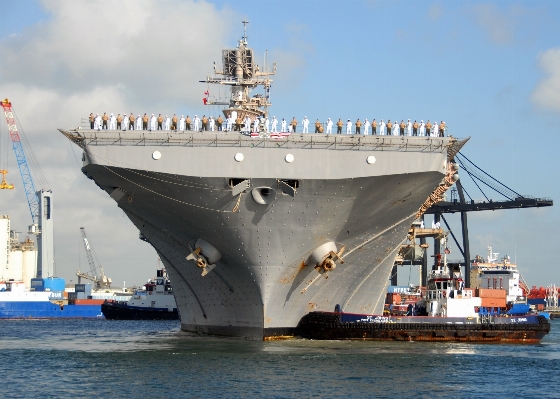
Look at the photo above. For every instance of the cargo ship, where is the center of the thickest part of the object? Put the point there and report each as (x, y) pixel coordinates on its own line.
(23, 296)
(16, 302)
(498, 283)
(493, 274)
(256, 231)
(448, 312)
(155, 302)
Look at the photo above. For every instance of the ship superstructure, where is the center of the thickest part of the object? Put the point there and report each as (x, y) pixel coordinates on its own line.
(490, 273)
(256, 232)
(242, 74)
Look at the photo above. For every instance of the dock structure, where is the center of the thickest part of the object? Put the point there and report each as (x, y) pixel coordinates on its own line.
(462, 205)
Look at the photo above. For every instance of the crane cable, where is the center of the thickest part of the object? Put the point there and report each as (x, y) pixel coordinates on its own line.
(496, 180)
(494, 184)
(473, 179)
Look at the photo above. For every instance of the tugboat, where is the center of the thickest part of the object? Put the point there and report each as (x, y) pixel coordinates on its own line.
(156, 302)
(449, 312)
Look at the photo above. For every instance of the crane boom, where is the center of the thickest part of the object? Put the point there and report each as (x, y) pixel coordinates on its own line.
(28, 184)
(100, 281)
(89, 254)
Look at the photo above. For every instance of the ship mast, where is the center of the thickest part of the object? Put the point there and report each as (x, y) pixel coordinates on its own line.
(240, 72)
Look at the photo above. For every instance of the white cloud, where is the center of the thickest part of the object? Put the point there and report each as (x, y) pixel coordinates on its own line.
(147, 50)
(102, 56)
(78, 202)
(107, 56)
(499, 24)
(547, 92)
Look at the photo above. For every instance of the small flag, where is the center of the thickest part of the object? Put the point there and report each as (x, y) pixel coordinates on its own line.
(204, 100)
(447, 251)
(206, 93)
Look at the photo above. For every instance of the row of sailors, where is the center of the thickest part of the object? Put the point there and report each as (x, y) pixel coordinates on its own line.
(396, 129)
(129, 122)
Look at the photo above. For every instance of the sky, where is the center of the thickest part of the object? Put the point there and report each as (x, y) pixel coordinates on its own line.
(490, 70)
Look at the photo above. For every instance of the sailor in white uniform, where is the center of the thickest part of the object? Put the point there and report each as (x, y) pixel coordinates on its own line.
(212, 123)
(125, 122)
(349, 127)
(97, 122)
(422, 131)
(329, 125)
(382, 128)
(112, 122)
(395, 128)
(435, 130)
(305, 123)
(283, 125)
(247, 124)
(138, 122)
(366, 127)
(196, 122)
(409, 128)
(422, 224)
(153, 123)
(274, 123)
(228, 124)
(182, 124)
(167, 123)
(266, 124)
(256, 125)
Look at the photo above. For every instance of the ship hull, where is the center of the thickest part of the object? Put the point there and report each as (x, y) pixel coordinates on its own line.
(324, 326)
(264, 284)
(122, 311)
(39, 310)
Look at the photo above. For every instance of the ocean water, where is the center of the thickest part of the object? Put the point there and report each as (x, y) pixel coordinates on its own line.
(154, 359)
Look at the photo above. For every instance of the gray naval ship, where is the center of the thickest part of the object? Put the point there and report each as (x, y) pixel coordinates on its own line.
(256, 232)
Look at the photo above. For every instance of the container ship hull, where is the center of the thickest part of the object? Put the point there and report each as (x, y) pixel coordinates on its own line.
(181, 188)
(31, 305)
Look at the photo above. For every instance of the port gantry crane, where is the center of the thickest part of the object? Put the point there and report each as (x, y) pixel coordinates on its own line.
(28, 184)
(462, 205)
(39, 201)
(101, 281)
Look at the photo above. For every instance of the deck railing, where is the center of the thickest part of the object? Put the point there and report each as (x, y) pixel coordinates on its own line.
(83, 137)
(85, 124)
